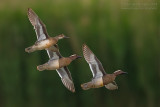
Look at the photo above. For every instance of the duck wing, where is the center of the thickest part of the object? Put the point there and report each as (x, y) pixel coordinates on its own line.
(41, 33)
(63, 72)
(94, 64)
(66, 78)
(39, 26)
(112, 86)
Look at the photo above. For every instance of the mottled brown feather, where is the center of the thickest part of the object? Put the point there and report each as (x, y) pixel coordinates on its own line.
(92, 59)
(33, 18)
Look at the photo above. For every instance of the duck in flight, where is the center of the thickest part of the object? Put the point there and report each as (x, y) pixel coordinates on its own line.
(40, 28)
(53, 51)
(100, 77)
(63, 72)
(56, 63)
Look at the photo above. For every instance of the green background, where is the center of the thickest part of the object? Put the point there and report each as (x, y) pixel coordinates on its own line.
(126, 39)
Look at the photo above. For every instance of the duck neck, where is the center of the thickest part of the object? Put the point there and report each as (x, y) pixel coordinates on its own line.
(115, 74)
(55, 38)
(119, 73)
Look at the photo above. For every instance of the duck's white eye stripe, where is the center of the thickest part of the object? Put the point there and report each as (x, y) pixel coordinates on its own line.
(117, 71)
(73, 55)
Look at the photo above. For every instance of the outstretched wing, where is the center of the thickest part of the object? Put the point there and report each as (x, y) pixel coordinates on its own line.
(66, 78)
(39, 26)
(63, 72)
(41, 33)
(94, 64)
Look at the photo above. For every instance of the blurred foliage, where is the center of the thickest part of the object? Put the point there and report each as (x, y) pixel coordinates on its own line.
(120, 38)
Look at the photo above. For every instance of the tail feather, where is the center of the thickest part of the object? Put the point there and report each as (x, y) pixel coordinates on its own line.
(29, 49)
(86, 86)
(40, 68)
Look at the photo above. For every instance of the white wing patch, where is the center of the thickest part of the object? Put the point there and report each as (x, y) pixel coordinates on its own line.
(90, 65)
(55, 56)
(95, 70)
(60, 74)
(48, 54)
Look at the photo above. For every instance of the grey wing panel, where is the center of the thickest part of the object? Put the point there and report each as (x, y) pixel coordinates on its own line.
(66, 78)
(100, 66)
(95, 70)
(95, 65)
(41, 31)
(39, 26)
(54, 55)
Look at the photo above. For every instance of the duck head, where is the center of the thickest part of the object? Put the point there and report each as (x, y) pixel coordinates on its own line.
(74, 56)
(119, 72)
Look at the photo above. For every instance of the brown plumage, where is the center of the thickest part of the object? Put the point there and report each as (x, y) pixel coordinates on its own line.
(100, 77)
(54, 64)
(44, 40)
(53, 51)
(59, 63)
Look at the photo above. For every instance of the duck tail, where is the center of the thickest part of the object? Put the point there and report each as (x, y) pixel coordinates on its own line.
(40, 68)
(86, 86)
(29, 49)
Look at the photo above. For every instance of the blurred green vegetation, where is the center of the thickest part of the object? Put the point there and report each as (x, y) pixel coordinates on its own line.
(120, 38)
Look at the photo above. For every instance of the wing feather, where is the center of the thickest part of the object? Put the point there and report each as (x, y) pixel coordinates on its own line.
(94, 64)
(66, 78)
(63, 72)
(39, 26)
(41, 33)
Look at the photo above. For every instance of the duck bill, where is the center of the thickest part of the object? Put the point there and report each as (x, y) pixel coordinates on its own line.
(124, 73)
(66, 37)
(79, 57)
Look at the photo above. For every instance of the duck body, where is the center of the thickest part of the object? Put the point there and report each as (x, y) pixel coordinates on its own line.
(108, 78)
(99, 82)
(41, 45)
(46, 43)
(54, 64)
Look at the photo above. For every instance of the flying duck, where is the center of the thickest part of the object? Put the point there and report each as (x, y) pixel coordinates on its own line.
(100, 77)
(63, 72)
(53, 51)
(40, 29)
(56, 63)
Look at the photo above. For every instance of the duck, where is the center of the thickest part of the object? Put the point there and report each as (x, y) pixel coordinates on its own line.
(63, 72)
(100, 77)
(53, 51)
(56, 63)
(59, 63)
(44, 41)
